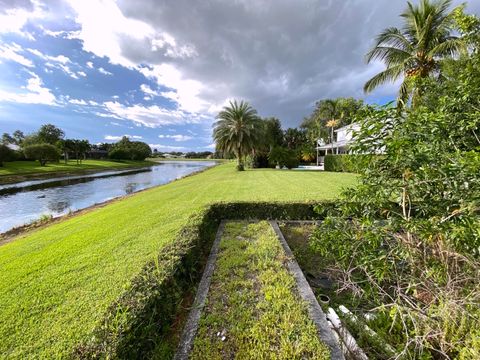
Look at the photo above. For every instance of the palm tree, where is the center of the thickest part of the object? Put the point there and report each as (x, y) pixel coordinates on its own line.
(237, 130)
(415, 50)
(332, 124)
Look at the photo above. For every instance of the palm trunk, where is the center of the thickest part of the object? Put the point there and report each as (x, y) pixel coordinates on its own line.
(239, 160)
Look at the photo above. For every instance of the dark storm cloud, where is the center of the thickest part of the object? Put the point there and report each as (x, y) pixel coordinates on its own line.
(280, 55)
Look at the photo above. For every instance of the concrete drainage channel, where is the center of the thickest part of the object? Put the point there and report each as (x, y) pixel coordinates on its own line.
(328, 326)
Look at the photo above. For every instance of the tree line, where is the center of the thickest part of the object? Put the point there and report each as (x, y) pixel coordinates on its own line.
(48, 144)
(261, 142)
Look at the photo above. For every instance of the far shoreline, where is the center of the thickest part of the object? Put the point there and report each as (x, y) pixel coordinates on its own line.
(7, 179)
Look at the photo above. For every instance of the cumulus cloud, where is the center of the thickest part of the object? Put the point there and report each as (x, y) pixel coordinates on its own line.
(62, 59)
(35, 93)
(60, 62)
(279, 55)
(162, 147)
(119, 137)
(77, 102)
(177, 137)
(149, 116)
(14, 15)
(148, 90)
(186, 91)
(65, 68)
(104, 72)
(11, 52)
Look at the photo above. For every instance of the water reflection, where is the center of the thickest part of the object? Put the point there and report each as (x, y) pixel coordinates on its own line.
(52, 183)
(60, 196)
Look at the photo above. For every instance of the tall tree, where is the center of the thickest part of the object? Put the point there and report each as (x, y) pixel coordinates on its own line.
(49, 134)
(7, 139)
(415, 51)
(237, 130)
(294, 138)
(273, 132)
(65, 146)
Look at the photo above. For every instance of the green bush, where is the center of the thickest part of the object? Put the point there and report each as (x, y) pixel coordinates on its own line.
(291, 161)
(42, 153)
(283, 157)
(141, 319)
(6, 154)
(345, 162)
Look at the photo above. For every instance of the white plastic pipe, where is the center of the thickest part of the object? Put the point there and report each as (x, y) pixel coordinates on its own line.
(345, 335)
(367, 329)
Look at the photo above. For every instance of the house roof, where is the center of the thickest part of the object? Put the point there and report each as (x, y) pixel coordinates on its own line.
(336, 144)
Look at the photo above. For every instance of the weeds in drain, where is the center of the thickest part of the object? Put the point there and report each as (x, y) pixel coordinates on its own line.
(253, 309)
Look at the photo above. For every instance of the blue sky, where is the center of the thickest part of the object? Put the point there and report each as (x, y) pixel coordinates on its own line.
(161, 71)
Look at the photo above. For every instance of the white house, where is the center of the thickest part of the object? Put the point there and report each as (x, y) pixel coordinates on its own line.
(344, 137)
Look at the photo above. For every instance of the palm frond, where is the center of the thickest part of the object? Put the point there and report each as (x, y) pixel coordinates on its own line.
(389, 55)
(389, 75)
(391, 37)
(449, 48)
(404, 94)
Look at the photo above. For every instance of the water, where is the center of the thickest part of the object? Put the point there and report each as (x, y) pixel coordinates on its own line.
(27, 201)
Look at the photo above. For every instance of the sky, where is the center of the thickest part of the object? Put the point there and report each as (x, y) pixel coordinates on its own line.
(159, 71)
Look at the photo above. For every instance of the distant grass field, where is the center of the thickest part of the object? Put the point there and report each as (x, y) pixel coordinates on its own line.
(31, 168)
(56, 282)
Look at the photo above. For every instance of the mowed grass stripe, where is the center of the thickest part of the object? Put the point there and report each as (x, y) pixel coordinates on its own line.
(56, 282)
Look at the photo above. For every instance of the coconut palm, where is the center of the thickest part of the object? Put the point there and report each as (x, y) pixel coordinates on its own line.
(237, 130)
(415, 50)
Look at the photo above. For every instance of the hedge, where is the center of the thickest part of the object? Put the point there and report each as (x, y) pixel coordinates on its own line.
(345, 162)
(139, 322)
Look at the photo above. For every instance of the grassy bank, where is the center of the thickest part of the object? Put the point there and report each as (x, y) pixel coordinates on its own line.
(56, 282)
(21, 170)
(253, 309)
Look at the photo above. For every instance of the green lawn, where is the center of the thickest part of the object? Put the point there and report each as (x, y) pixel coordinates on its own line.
(253, 309)
(56, 282)
(26, 169)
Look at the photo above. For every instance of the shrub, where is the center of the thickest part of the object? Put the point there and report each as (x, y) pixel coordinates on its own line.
(118, 154)
(42, 153)
(346, 162)
(283, 157)
(291, 161)
(277, 155)
(6, 154)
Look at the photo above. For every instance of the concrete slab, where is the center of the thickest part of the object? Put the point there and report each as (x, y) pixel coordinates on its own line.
(315, 311)
(191, 326)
